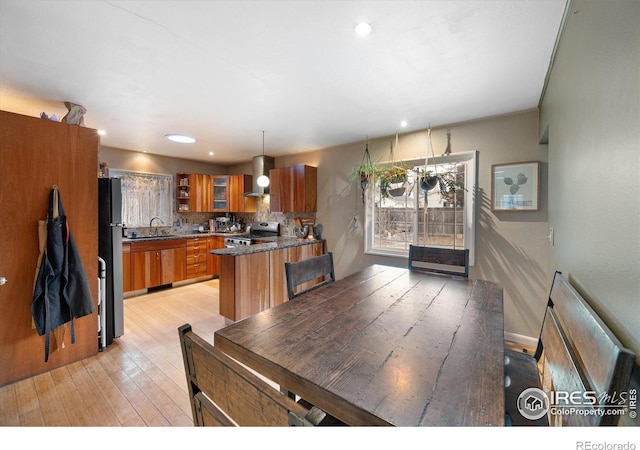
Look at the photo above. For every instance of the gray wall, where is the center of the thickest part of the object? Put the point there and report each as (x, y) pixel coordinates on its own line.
(591, 109)
(144, 162)
(511, 248)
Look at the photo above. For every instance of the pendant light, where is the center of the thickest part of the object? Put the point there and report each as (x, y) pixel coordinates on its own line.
(263, 180)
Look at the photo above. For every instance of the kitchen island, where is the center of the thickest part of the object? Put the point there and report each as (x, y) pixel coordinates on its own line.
(252, 278)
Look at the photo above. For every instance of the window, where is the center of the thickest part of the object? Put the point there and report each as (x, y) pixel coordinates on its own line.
(394, 222)
(145, 195)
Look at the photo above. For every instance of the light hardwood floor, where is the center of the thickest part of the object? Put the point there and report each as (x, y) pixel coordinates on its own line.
(139, 380)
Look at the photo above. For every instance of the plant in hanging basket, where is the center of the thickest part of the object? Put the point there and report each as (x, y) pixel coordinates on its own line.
(428, 181)
(393, 181)
(446, 181)
(363, 173)
(449, 183)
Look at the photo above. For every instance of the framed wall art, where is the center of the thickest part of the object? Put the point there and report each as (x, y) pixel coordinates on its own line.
(515, 186)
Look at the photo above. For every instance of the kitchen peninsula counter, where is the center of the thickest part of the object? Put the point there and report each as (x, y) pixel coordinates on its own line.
(252, 277)
(267, 244)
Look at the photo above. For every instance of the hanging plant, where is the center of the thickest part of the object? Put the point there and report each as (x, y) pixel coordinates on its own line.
(363, 174)
(429, 179)
(446, 181)
(393, 181)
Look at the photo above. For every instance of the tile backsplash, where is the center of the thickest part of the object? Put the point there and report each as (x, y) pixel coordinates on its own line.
(187, 222)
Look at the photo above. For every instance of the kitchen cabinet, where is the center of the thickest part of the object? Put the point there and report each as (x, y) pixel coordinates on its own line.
(239, 185)
(220, 193)
(196, 257)
(126, 267)
(173, 265)
(202, 192)
(244, 285)
(251, 283)
(183, 192)
(213, 264)
(155, 263)
(194, 192)
(294, 189)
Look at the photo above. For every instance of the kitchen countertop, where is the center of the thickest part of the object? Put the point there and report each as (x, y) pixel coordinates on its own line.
(178, 236)
(270, 243)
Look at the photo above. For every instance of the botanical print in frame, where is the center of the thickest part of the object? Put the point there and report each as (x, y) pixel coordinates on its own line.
(515, 186)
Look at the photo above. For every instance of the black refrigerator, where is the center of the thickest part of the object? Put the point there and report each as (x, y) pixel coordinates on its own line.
(110, 228)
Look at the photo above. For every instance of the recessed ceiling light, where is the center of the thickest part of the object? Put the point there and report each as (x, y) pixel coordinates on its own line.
(363, 29)
(210, 153)
(404, 123)
(180, 138)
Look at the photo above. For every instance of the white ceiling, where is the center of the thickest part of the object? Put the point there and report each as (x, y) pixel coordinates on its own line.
(224, 71)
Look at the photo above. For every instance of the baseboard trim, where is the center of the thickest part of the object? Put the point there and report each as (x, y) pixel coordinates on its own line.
(521, 339)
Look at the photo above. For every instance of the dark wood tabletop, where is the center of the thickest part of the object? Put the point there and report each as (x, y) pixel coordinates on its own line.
(385, 346)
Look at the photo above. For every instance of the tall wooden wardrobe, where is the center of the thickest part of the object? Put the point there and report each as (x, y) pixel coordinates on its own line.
(36, 154)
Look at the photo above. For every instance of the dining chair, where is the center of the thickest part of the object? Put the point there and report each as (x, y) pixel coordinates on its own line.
(447, 261)
(302, 272)
(223, 392)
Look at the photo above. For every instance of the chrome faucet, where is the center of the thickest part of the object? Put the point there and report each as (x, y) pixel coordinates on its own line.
(151, 223)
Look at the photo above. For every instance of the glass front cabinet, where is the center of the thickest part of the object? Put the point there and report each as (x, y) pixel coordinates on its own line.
(220, 193)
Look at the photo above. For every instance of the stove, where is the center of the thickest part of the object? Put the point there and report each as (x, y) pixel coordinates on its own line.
(237, 241)
(257, 230)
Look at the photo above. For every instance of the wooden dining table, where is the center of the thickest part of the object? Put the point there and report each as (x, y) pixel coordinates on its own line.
(384, 346)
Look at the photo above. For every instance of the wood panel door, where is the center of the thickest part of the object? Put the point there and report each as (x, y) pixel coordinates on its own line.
(35, 154)
(138, 269)
(278, 283)
(201, 192)
(294, 189)
(153, 268)
(168, 265)
(238, 186)
(126, 267)
(213, 263)
(179, 264)
(251, 284)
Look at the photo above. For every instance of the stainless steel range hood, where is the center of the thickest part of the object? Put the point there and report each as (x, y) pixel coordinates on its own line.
(261, 166)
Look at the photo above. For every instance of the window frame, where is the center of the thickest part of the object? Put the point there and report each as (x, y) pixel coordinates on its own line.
(164, 208)
(470, 159)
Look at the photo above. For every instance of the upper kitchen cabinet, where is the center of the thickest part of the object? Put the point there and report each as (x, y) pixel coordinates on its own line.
(239, 185)
(183, 192)
(194, 192)
(220, 191)
(294, 189)
(198, 192)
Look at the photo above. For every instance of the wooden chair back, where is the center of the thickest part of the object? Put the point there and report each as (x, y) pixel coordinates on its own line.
(579, 353)
(301, 274)
(223, 392)
(439, 260)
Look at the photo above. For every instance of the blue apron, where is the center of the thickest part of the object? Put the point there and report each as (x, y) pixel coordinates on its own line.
(61, 291)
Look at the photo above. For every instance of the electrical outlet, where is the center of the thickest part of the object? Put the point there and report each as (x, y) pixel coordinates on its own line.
(550, 236)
